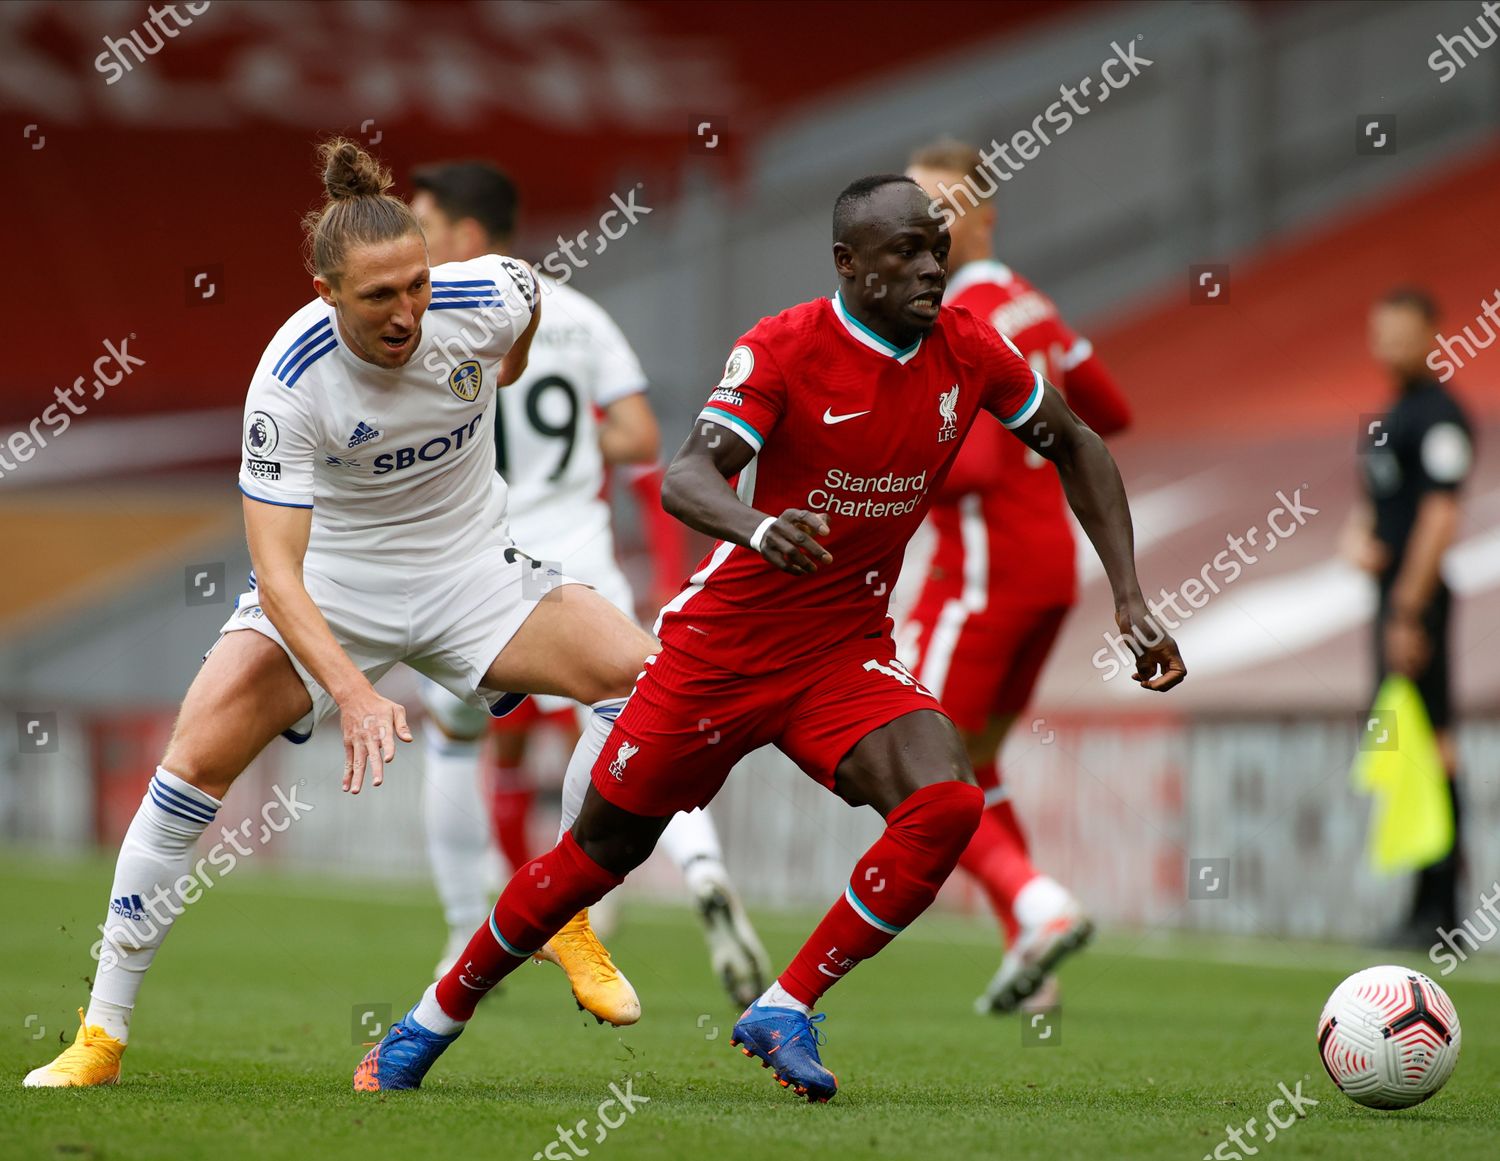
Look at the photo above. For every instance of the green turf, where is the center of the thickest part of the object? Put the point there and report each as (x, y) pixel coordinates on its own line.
(244, 1045)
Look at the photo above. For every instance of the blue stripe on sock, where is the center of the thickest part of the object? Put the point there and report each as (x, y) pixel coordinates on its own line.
(178, 802)
(505, 943)
(869, 916)
(163, 804)
(610, 711)
(184, 801)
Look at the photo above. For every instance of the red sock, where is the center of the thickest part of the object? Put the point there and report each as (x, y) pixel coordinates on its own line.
(1004, 812)
(892, 884)
(997, 854)
(1002, 870)
(510, 813)
(541, 897)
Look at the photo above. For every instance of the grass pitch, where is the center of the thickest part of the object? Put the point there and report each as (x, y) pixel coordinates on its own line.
(250, 1027)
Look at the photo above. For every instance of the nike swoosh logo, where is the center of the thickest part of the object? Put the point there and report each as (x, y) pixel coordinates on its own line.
(830, 418)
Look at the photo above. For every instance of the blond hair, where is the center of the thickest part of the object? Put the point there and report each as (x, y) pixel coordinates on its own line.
(955, 156)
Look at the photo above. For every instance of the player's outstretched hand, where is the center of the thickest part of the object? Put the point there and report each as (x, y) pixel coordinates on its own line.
(371, 726)
(791, 545)
(1158, 664)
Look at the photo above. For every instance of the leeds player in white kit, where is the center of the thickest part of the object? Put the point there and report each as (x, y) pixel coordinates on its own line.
(552, 453)
(376, 524)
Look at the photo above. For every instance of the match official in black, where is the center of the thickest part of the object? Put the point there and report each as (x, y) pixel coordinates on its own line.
(1415, 462)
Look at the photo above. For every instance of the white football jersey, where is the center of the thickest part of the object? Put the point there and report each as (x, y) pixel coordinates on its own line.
(397, 464)
(547, 437)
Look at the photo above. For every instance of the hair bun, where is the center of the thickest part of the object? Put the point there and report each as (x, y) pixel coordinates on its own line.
(357, 211)
(350, 172)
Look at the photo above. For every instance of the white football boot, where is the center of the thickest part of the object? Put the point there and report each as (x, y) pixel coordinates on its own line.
(1053, 926)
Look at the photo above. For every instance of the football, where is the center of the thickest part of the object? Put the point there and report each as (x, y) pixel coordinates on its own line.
(1389, 1037)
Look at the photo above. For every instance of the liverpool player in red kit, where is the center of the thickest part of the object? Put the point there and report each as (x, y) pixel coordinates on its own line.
(1002, 577)
(842, 415)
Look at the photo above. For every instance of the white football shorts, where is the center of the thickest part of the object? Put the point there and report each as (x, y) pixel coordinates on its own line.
(447, 622)
(599, 571)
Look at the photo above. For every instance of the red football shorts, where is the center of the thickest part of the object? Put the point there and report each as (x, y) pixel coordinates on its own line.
(982, 665)
(688, 722)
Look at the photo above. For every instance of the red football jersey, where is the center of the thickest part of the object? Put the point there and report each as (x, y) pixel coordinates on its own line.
(844, 424)
(1003, 534)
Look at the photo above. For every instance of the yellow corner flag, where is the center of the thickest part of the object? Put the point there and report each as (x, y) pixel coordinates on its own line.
(1411, 818)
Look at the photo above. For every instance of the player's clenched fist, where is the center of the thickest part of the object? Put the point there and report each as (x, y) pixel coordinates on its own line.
(791, 541)
(371, 725)
(1158, 662)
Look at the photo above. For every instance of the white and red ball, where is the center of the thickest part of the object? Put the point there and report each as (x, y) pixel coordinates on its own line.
(1389, 1037)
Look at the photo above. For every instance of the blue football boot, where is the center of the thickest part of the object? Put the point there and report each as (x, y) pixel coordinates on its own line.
(402, 1057)
(787, 1041)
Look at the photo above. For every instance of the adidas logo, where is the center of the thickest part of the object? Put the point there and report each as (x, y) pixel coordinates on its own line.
(364, 433)
(128, 907)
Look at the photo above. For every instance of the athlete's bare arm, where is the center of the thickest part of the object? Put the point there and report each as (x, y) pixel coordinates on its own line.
(1091, 481)
(278, 538)
(1407, 647)
(513, 365)
(697, 492)
(1357, 543)
(629, 434)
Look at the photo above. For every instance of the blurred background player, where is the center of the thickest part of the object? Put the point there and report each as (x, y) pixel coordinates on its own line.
(579, 407)
(1414, 463)
(1002, 574)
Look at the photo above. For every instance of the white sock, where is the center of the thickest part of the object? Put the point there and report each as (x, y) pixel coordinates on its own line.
(581, 765)
(458, 831)
(144, 901)
(113, 1018)
(1040, 901)
(778, 997)
(691, 842)
(430, 1015)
